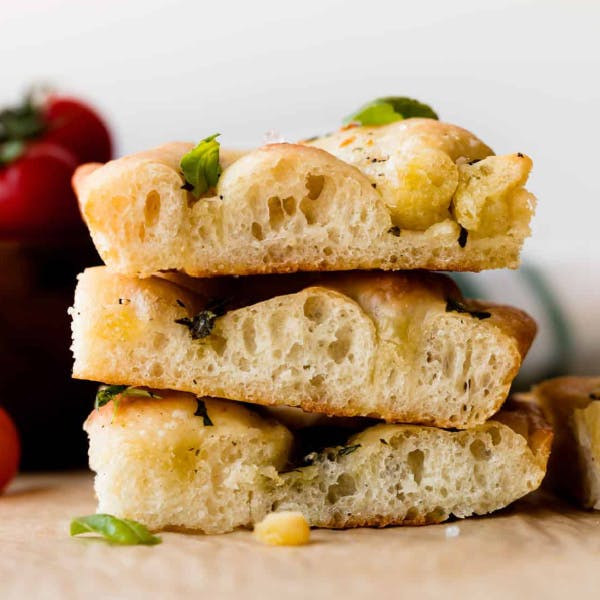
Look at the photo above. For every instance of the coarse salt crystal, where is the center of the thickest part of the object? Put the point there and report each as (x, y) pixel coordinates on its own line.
(452, 531)
(272, 136)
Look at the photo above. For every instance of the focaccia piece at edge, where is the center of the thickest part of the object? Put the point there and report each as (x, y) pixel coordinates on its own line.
(572, 405)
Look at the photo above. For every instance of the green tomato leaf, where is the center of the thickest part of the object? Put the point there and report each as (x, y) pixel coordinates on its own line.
(119, 531)
(11, 150)
(389, 109)
(200, 166)
(106, 393)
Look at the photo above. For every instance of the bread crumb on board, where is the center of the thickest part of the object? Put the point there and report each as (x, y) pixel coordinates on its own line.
(286, 528)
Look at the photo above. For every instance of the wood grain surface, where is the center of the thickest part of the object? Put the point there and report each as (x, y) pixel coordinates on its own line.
(538, 548)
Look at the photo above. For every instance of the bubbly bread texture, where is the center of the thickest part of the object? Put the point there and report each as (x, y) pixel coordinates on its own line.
(572, 405)
(417, 194)
(404, 347)
(159, 464)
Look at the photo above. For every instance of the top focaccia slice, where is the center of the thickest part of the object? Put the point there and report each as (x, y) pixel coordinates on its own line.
(417, 194)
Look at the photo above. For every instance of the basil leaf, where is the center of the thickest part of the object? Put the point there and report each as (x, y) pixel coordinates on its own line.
(200, 166)
(119, 531)
(199, 325)
(106, 393)
(390, 109)
(202, 412)
(330, 454)
(348, 450)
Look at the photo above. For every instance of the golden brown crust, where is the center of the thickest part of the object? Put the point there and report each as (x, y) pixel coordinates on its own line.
(512, 321)
(526, 418)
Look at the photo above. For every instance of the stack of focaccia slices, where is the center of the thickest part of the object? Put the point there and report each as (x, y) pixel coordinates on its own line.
(370, 397)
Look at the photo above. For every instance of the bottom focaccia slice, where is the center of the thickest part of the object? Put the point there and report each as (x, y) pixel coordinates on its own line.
(213, 465)
(573, 407)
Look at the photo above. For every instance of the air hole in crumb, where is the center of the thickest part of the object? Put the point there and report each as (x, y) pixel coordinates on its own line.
(249, 335)
(314, 185)
(315, 309)
(308, 210)
(294, 354)
(327, 251)
(257, 232)
(152, 208)
(156, 370)
(338, 349)
(289, 205)
(479, 450)
(317, 380)
(415, 464)
(218, 344)
(436, 515)
(159, 341)
(411, 514)
(495, 434)
(276, 214)
(344, 486)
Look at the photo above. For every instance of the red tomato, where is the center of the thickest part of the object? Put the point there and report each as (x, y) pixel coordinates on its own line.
(74, 125)
(10, 449)
(40, 146)
(36, 194)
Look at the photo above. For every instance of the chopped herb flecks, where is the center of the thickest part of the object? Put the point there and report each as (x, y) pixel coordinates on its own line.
(202, 412)
(462, 238)
(201, 325)
(348, 450)
(455, 306)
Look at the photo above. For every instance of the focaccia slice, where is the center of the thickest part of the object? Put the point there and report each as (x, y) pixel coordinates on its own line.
(168, 465)
(404, 347)
(417, 194)
(573, 407)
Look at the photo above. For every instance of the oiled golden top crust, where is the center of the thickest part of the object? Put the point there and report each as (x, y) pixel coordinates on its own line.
(455, 141)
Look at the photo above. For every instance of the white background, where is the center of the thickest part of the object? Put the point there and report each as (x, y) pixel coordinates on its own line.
(523, 75)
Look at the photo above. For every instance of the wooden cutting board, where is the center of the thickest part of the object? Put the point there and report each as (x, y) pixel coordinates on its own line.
(538, 548)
